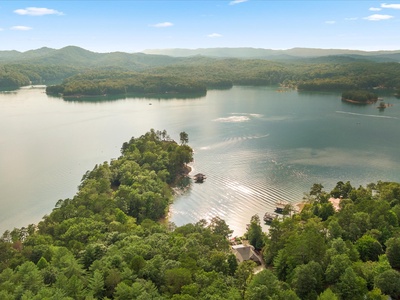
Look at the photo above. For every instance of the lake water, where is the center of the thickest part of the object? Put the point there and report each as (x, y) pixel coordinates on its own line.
(255, 144)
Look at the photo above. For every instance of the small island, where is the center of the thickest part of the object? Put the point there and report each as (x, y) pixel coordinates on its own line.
(383, 105)
(359, 97)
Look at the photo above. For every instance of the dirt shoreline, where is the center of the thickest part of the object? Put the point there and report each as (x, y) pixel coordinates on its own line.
(358, 102)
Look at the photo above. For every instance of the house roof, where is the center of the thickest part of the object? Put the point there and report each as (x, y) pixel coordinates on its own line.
(335, 203)
(245, 252)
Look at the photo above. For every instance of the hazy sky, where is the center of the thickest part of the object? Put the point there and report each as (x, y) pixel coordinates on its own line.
(131, 26)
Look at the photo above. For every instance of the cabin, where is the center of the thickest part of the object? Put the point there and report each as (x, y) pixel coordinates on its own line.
(245, 252)
(199, 177)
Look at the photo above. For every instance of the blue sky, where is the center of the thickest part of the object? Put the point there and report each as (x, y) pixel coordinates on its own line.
(132, 26)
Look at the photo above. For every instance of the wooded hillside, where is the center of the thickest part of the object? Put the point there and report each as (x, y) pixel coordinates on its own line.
(319, 73)
(107, 242)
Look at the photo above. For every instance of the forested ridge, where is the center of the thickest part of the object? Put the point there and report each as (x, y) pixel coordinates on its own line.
(116, 83)
(197, 77)
(107, 242)
(17, 75)
(322, 73)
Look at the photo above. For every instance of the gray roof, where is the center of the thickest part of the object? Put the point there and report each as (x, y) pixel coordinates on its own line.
(245, 252)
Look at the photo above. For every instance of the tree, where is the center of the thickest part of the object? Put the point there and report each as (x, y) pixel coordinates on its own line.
(176, 278)
(73, 287)
(232, 264)
(342, 190)
(351, 286)
(339, 263)
(393, 252)
(302, 246)
(376, 294)
(42, 263)
(369, 248)
(307, 280)
(96, 284)
(334, 229)
(123, 291)
(184, 138)
(323, 210)
(254, 233)
(29, 276)
(219, 262)
(219, 226)
(327, 295)
(244, 274)
(262, 286)
(316, 189)
(389, 283)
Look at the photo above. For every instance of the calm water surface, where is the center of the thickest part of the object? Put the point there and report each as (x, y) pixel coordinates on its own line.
(256, 145)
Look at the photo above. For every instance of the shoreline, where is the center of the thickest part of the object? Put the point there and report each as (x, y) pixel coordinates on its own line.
(358, 102)
(177, 191)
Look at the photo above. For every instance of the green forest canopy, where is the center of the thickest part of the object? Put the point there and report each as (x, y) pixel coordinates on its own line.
(361, 96)
(115, 83)
(187, 78)
(107, 242)
(121, 72)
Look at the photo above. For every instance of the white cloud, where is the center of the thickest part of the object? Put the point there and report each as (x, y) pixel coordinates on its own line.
(351, 19)
(394, 6)
(1, 29)
(161, 25)
(330, 22)
(214, 35)
(37, 11)
(234, 2)
(375, 8)
(377, 17)
(21, 28)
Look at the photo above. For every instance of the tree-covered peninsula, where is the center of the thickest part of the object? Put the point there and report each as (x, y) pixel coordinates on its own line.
(359, 96)
(117, 83)
(107, 242)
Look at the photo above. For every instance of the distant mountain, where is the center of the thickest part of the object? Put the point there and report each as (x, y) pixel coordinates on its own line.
(213, 67)
(217, 52)
(75, 56)
(290, 54)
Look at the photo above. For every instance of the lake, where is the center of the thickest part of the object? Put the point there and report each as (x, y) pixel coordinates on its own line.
(257, 145)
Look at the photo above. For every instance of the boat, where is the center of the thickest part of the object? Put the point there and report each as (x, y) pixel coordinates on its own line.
(268, 217)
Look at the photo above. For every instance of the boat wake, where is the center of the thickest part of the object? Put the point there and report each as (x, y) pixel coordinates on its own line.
(364, 115)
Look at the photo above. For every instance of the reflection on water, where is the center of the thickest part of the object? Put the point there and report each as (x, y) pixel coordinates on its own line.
(255, 145)
(111, 98)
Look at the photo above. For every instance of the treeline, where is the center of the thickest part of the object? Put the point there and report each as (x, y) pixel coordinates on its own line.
(17, 75)
(304, 76)
(10, 78)
(351, 76)
(198, 73)
(97, 83)
(360, 96)
(224, 73)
